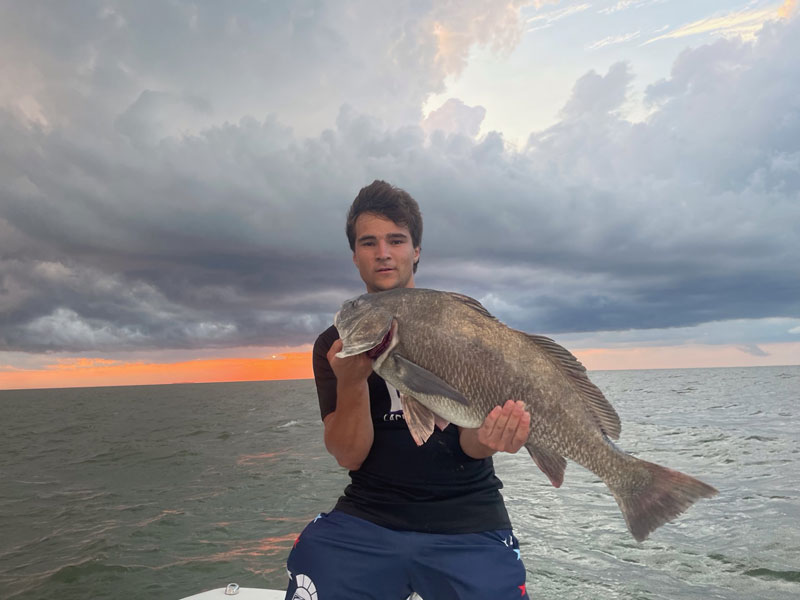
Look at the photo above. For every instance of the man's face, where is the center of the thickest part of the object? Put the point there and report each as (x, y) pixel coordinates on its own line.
(384, 253)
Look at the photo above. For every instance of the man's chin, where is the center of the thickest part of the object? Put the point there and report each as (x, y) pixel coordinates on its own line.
(385, 285)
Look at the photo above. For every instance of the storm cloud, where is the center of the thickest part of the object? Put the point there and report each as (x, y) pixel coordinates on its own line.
(182, 181)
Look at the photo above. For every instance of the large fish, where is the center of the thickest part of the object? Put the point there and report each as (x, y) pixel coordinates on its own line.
(453, 362)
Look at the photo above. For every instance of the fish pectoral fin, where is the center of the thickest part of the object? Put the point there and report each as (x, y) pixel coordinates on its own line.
(419, 418)
(551, 463)
(420, 380)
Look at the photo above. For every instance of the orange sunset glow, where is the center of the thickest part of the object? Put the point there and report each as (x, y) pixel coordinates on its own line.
(86, 372)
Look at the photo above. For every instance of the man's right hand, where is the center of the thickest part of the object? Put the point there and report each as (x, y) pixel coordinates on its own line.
(352, 370)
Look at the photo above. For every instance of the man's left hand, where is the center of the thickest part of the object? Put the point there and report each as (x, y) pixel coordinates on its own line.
(506, 428)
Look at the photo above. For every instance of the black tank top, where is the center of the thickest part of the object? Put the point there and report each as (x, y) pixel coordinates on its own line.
(433, 488)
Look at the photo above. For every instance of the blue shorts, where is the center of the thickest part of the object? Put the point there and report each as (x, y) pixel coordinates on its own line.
(341, 557)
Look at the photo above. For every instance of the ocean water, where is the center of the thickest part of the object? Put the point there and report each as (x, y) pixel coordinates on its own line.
(160, 492)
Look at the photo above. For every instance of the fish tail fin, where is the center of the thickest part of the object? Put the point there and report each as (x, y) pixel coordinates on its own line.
(668, 494)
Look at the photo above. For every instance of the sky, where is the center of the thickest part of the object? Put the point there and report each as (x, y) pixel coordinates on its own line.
(621, 175)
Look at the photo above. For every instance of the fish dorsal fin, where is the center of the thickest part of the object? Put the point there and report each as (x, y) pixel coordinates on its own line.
(472, 303)
(602, 410)
(604, 413)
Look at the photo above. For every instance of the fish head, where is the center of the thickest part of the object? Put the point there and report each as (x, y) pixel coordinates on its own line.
(364, 326)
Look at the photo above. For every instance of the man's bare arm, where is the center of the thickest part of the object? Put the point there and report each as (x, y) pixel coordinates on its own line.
(348, 429)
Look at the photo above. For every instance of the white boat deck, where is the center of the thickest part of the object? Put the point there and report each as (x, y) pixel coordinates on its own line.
(240, 594)
(248, 594)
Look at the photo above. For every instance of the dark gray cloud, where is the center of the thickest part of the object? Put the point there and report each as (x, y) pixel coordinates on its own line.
(158, 225)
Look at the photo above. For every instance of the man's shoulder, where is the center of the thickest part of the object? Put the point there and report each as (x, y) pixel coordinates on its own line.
(320, 354)
(325, 339)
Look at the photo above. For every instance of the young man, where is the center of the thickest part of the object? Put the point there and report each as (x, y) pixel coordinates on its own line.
(426, 519)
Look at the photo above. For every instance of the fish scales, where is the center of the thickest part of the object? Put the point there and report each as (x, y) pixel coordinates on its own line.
(452, 360)
(478, 369)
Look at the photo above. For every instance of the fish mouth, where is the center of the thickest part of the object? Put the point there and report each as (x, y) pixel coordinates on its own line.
(381, 348)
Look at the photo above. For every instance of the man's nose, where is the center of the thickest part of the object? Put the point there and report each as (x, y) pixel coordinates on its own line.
(383, 249)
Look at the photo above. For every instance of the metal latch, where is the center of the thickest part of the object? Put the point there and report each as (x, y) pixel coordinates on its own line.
(232, 589)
